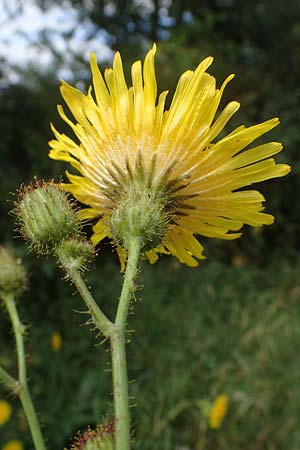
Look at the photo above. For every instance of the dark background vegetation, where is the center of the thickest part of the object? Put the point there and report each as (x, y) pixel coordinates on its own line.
(231, 325)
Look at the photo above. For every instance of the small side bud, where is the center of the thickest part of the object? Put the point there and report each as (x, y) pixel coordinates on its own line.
(13, 276)
(102, 438)
(46, 216)
(74, 255)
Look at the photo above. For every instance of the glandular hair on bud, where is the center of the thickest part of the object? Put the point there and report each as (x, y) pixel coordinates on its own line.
(97, 443)
(74, 255)
(46, 216)
(13, 276)
(140, 213)
(102, 438)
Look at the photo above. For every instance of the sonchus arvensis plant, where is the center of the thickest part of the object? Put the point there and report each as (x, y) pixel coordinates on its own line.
(163, 173)
(154, 179)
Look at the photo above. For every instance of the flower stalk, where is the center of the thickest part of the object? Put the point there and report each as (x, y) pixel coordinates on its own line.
(20, 386)
(116, 332)
(118, 349)
(120, 389)
(100, 320)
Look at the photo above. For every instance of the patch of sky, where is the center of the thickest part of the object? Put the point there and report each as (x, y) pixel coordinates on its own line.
(24, 33)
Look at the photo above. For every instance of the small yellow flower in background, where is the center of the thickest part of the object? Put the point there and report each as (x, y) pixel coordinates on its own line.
(129, 148)
(218, 411)
(56, 341)
(13, 445)
(5, 412)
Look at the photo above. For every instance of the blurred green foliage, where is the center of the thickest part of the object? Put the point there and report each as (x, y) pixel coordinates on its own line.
(232, 325)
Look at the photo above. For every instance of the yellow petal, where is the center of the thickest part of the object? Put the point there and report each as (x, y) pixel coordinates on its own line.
(101, 92)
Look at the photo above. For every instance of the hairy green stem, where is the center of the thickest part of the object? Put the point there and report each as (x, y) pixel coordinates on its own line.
(23, 391)
(129, 281)
(19, 330)
(32, 419)
(116, 333)
(118, 350)
(100, 319)
(120, 387)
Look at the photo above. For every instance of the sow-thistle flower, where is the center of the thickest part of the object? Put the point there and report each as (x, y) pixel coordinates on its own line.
(5, 412)
(56, 341)
(218, 411)
(158, 173)
(13, 445)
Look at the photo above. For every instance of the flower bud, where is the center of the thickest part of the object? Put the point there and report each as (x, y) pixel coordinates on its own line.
(13, 277)
(75, 254)
(46, 216)
(102, 438)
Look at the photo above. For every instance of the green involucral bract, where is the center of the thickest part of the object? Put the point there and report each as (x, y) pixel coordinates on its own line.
(46, 216)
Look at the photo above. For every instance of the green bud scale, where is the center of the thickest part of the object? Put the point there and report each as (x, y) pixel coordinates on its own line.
(46, 216)
(13, 277)
(140, 213)
(102, 438)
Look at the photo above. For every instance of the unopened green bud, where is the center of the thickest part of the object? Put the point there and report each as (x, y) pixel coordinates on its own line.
(75, 254)
(102, 438)
(141, 212)
(13, 277)
(98, 443)
(46, 216)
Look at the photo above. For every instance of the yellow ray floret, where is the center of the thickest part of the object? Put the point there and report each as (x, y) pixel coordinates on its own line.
(125, 136)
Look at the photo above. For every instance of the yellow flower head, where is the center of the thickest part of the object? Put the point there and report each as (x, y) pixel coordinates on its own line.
(5, 412)
(55, 341)
(130, 150)
(13, 445)
(218, 411)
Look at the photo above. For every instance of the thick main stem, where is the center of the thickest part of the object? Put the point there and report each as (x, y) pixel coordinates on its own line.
(118, 350)
(120, 387)
(23, 391)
